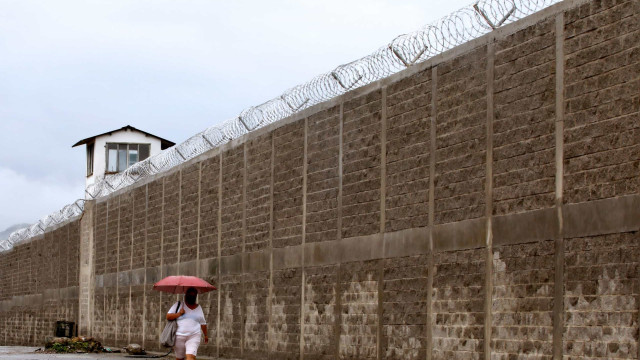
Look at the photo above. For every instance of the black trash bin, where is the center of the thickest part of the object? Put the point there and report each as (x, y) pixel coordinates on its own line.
(64, 328)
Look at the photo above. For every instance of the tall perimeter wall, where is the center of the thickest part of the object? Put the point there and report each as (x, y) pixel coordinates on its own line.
(39, 285)
(484, 204)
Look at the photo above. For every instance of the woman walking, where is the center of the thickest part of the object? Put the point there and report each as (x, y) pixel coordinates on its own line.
(191, 325)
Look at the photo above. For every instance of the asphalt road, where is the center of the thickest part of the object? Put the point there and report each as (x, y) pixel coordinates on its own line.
(28, 353)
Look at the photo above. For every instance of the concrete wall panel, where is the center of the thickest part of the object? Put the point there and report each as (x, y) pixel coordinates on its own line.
(361, 171)
(407, 152)
(460, 168)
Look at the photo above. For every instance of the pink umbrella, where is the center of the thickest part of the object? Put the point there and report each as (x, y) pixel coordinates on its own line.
(180, 284)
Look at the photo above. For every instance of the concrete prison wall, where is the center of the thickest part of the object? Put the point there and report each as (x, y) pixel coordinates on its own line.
(483, 204)
(39, 285)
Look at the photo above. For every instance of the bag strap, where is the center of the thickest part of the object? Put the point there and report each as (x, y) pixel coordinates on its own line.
(177, 308)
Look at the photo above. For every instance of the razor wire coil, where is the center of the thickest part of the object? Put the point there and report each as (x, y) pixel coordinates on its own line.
(404, 51)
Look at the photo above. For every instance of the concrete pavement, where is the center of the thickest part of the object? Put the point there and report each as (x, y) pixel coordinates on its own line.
(28, 353)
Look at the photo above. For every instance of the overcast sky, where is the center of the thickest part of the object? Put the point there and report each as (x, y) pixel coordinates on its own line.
(73, 69)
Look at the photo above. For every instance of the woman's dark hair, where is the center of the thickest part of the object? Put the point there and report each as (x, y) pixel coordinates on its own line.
(191, 289)
(191, 296)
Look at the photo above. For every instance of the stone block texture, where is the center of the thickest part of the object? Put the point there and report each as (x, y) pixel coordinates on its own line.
(323, 175)
(38, 278)
(72, 258)
(111, 248)
(60, 236)
(24, 270)
(231, 316)
(320, 312)
(601, 297)
(602, 102)
(232, 207)
(209, 304)
(209, 207)
(461, 140)
(522, 307)
(284, 328)
(137, 330)
(404, 308)
(154, 223)
(408, 145)
(122, 308)
(256, 315)
(258, 202)
(154, 319)
(189, 207)
(125, 232)
(359, 296)
(38, 264)
(458, 304)
(99, 320)
(171, 218)
(111, 316)
(139, 232)
(524, 120)
(100, 241)
(288, 168)
(50, 268)
(361, 171)
(6, 278)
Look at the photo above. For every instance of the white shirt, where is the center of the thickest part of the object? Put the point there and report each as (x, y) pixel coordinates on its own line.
(189, 323)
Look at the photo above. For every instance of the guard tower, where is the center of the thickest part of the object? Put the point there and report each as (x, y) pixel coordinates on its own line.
(114, 151)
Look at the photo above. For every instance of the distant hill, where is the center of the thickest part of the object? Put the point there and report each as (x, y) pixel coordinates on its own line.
(5, 234)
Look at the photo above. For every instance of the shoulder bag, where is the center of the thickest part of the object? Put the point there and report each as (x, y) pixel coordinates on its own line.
(168, 336)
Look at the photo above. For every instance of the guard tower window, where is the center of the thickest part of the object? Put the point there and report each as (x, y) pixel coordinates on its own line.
(121, 156)
(90, 159)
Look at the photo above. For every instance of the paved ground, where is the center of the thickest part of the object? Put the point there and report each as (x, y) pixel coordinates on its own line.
(28, 353)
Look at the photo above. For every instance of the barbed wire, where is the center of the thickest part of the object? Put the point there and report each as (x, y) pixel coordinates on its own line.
(67, 212)
(402, 52)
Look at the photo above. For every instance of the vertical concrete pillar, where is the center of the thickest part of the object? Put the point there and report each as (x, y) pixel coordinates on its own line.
(219, 251)
(243, 303)
(270, 295)
(198, 225)
(117, 278)
(178, 267)
(340, 166)
(432, 206)
(133, 226)
(86, 271)
(558, 301)
(103, 306)
(383, 196)
(144, 293)
(337, 310)
(66, 281)
(162, 268)
(488, 300)
(304, 235)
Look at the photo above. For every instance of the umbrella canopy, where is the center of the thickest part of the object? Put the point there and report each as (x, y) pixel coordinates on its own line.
(180, 284)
